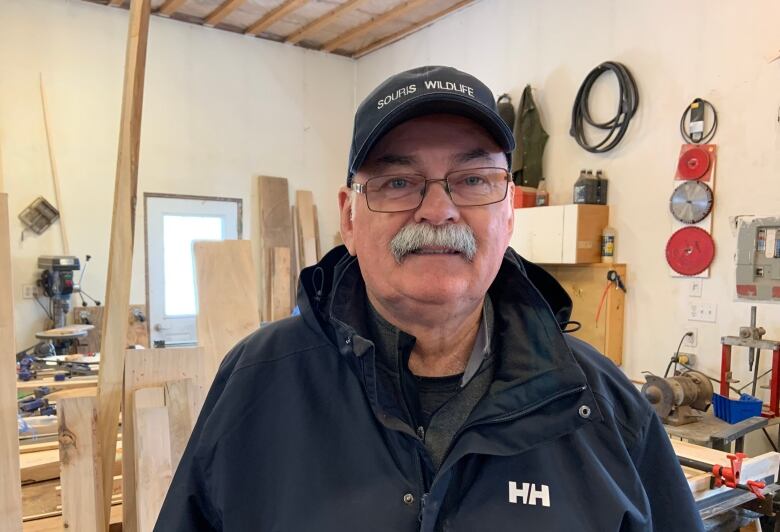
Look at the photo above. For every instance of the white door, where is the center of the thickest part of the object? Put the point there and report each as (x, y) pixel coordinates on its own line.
(173, 223)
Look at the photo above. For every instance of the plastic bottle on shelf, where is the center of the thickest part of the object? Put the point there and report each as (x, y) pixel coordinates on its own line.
(608, 244)
(542, 195)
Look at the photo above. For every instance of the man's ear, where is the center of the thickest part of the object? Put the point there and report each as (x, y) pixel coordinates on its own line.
(345, 210)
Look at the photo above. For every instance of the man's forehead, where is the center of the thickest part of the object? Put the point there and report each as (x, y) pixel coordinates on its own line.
(400, 158)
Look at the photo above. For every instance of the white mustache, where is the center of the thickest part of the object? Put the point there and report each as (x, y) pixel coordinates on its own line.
(413, 237)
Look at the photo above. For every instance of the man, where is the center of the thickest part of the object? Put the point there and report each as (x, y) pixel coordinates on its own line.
(426, 384)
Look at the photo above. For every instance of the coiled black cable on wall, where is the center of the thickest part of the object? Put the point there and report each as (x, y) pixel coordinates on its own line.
(618, 124)
(689, 135)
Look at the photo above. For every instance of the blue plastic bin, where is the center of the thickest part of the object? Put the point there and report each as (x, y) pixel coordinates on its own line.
(736, 410)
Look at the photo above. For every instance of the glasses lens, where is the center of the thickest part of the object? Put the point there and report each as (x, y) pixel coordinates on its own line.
(394, 192)
(479, 186)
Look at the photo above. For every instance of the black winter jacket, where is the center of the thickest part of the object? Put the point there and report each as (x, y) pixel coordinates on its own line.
(298, 434)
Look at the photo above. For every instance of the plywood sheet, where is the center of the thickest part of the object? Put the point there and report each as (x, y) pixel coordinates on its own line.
(227, 298)
(10, 494)
(585, 284)
(146, 368)
(80, 468)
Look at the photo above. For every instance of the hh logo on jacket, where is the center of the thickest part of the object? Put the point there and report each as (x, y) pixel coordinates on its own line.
(529, 494)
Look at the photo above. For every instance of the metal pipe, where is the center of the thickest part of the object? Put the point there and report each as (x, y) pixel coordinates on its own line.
(752, 351)
(755, 372)
(695, 464)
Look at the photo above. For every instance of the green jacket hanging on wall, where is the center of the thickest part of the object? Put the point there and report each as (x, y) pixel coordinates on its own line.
(531, 138)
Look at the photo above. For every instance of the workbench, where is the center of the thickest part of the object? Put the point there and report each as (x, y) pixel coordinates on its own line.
(716, 433)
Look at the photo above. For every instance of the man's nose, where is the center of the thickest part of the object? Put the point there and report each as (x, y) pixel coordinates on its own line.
(437, 207)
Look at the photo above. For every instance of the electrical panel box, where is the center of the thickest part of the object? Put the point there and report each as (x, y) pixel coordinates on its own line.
(758, 259)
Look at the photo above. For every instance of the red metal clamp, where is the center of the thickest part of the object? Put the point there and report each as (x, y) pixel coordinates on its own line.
(755, 487)
(728, 476)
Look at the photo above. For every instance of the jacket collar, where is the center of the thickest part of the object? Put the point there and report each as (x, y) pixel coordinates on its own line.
(530, 308)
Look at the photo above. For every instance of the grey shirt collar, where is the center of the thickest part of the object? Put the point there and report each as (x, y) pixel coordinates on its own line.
(481, 349)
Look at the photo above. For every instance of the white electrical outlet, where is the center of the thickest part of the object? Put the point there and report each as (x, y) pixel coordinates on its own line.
(694, 289)
(29, 291)
(689, 359)
(702, 311)
(692, 339)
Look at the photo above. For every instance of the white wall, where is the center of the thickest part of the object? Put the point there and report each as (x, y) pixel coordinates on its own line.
(219, 109)
(676, 51)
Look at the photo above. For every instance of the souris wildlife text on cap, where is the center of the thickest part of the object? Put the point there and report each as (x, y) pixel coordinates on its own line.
(422, 91)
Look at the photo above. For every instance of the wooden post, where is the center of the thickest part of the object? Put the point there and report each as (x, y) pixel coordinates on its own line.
(80, 465)
(153, 460)
(10, 494)
(120, 257)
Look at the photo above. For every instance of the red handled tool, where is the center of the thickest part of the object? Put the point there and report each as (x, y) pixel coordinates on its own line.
(726, 476)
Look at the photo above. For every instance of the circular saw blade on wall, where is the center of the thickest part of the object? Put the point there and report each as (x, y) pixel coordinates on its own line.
(691, 202)
(696, 161)
(690, 251)
(693, 164)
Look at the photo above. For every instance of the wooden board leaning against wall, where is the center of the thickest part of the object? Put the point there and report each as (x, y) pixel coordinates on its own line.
(10, 494)
(276, 231)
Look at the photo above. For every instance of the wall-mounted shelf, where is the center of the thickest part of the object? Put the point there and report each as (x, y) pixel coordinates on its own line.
(560, 234)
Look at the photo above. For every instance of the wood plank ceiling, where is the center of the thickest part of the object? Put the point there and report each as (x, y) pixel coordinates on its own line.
(352, 28)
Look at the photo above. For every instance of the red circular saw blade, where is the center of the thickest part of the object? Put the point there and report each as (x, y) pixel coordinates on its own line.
(693, 164)
(690, 251)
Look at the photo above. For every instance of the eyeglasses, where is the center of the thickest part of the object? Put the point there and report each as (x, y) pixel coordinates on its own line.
(405, 192)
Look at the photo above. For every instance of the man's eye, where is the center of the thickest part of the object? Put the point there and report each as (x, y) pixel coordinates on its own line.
(474, 180)
(398, 182)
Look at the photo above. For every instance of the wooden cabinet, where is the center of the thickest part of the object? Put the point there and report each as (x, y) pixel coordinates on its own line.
(597, 304)
(560, 234)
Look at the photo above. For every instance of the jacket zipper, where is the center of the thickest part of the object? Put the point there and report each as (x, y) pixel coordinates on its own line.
(499, 419)
(526, 411)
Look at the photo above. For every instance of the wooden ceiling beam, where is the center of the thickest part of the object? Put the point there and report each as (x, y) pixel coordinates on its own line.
(224, 9)
(357, 31)
(273, 16)
(323, 21)
(389, 39)
(170, 7)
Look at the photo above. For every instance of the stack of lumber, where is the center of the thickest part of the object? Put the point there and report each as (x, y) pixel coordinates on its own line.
(277, 248)
(289, 242)
(308, 229)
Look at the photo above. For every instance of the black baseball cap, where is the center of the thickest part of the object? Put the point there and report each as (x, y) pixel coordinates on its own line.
(423, 91)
